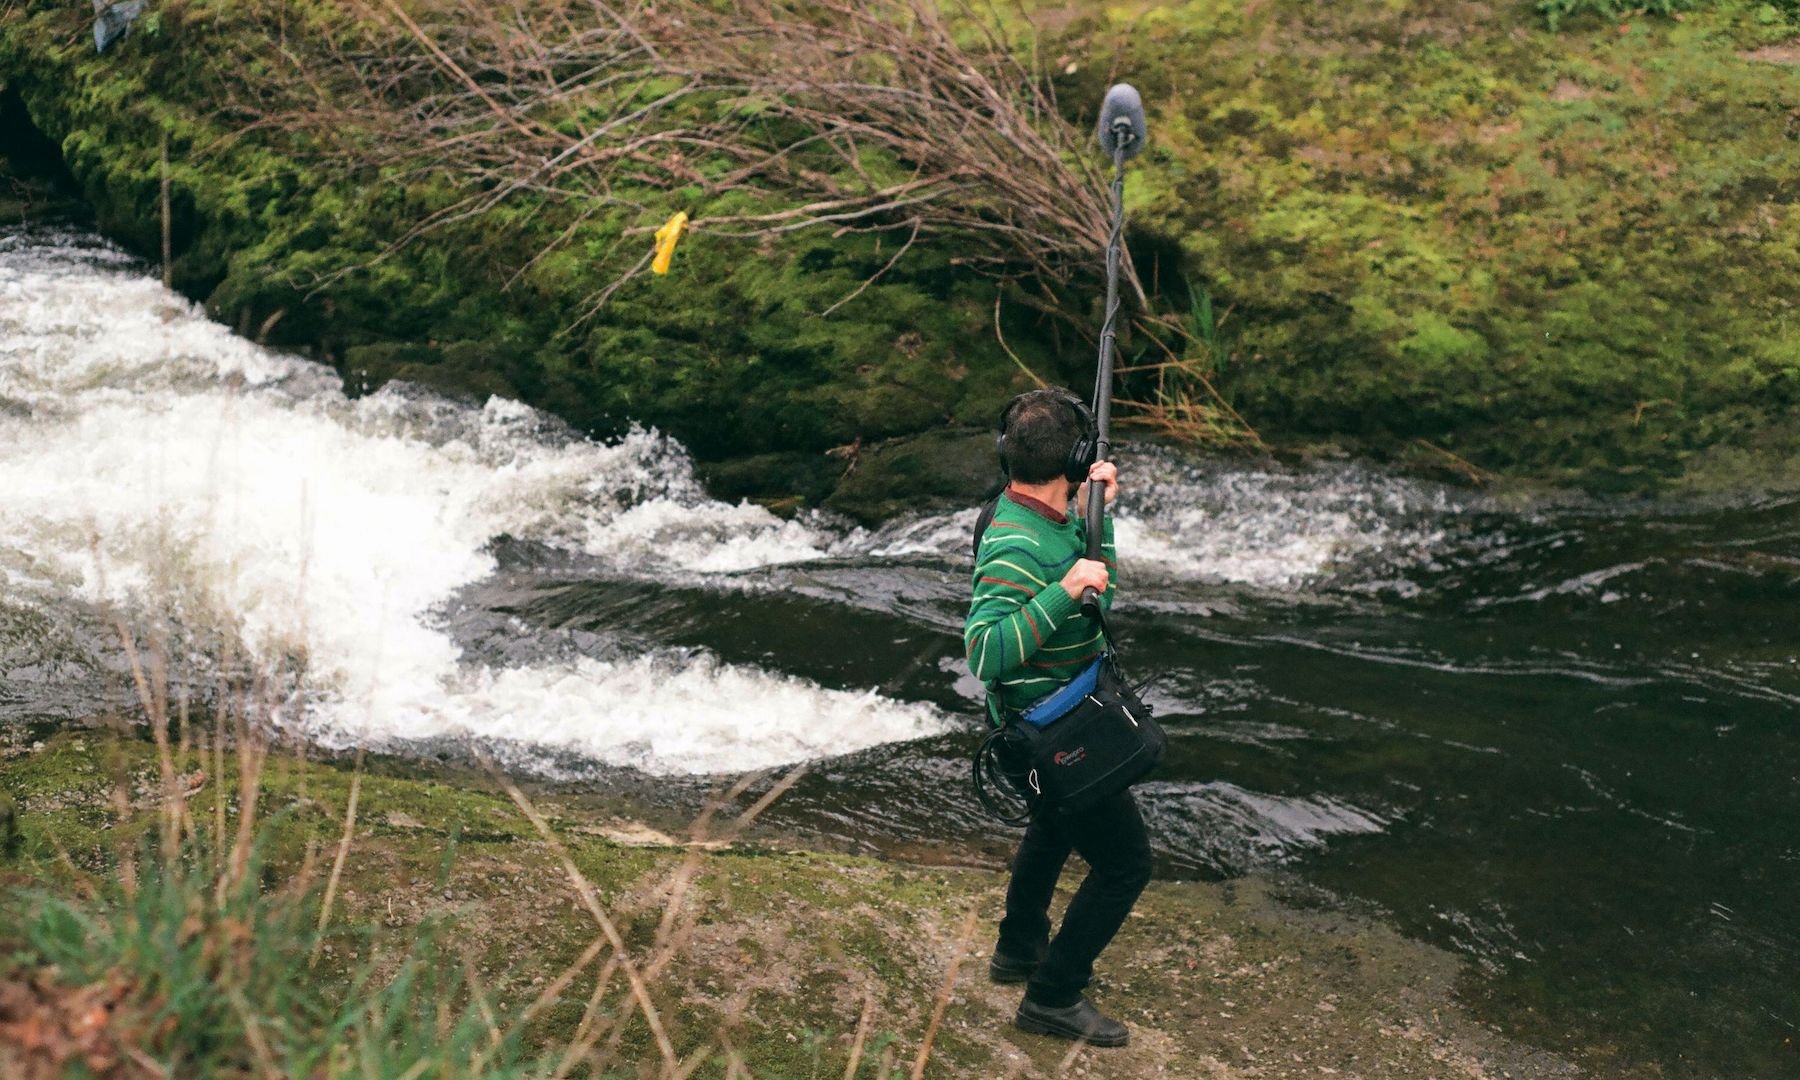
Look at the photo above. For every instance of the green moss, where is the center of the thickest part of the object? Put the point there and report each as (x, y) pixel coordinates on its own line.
(875, 951)
(1563, 255)
(69, 765)
(733, 352)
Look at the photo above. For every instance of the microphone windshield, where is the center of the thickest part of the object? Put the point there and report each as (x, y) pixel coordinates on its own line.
(1122, 114)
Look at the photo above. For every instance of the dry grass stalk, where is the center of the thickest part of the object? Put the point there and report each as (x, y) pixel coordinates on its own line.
(691, 1064)
(679, 881)
(671, 931)
(121, 787)
(478, 991)
(1185, 405)
(856, 115)
(217, 847)
(1068, 1060)
(553, 992)
(612, 1027)
(591, 900)
(265, 1057)
(252, 754)
(734, 1066)
(862, 1035)
(337, 862)
(589, 1031)
(156, 708)
(419, 1069)
(963, 938)
(242, 719)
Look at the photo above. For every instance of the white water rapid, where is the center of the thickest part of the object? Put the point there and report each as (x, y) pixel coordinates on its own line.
(153, 462)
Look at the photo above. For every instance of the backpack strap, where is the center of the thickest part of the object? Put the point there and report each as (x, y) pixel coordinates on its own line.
(982, 521)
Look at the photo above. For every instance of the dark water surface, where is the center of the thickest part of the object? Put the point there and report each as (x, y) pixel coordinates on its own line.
(1556, 737)
(1562, 744)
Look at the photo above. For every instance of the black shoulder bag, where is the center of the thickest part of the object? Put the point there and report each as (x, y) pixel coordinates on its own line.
(1084, 743)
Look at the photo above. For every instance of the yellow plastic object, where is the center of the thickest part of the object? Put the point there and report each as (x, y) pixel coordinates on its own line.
(665, 241)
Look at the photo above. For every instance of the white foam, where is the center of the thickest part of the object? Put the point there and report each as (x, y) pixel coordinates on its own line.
(664, 713)
(154, 460)
(1273, 527)
(1262, 526)
(151, 458)
(707, 537)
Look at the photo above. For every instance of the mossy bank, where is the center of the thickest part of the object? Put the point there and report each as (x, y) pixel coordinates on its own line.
(780, 950)
(1397, 229)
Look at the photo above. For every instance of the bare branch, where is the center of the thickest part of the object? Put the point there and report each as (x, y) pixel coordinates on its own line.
(785, 116)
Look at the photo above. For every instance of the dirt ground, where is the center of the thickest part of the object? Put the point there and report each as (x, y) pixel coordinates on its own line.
(795, 961)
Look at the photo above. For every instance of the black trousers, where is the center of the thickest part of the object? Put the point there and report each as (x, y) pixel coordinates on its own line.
(1112, 838)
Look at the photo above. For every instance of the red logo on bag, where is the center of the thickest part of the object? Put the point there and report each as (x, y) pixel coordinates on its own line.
(1070, 757)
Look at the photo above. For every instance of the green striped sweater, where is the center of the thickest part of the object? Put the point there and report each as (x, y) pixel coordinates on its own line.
(1025, 636)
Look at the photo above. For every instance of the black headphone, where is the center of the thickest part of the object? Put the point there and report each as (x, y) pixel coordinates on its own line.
(1081, 453)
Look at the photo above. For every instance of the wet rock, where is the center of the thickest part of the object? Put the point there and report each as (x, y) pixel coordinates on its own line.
(936, 471)
(466, 369)
(782, 481)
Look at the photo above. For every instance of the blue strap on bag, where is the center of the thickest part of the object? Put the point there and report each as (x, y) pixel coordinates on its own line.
(1057, 705)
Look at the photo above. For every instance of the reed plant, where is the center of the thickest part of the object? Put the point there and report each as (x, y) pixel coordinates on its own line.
(212, 935)
(193, 983)
(193, 950)
(1171, 389)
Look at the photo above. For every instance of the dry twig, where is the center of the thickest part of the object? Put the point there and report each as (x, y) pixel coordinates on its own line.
(861, 115)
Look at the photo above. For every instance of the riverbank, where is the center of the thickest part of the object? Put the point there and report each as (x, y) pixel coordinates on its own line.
(1443, 235)
(778, 948)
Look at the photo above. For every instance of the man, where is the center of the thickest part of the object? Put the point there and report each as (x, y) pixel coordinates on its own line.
(1026, 637)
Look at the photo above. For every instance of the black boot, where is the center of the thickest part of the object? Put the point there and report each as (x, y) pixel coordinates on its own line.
(1078, 1021)
(1010, 969)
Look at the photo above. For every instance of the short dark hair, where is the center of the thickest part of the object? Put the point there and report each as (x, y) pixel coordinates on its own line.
(1041, 428)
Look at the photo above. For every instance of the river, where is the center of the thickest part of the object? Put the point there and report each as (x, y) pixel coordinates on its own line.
(1554, 734)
